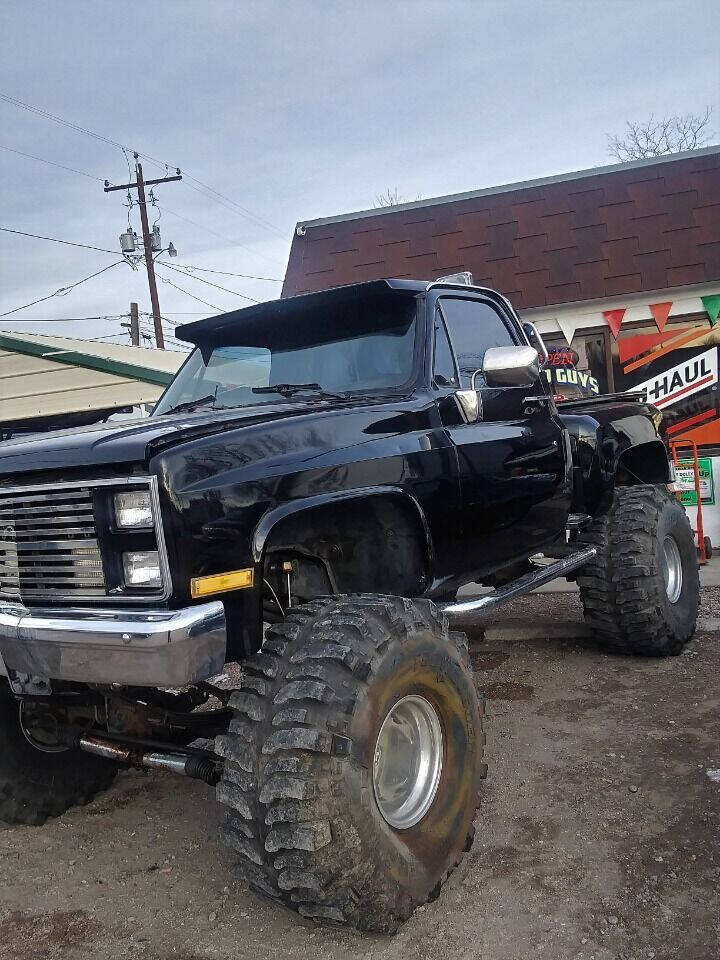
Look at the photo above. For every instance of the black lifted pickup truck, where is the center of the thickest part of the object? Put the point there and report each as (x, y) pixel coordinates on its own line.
(319, 480)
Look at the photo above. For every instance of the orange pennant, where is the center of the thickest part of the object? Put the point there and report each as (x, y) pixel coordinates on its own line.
(661, 312)
(614, 320)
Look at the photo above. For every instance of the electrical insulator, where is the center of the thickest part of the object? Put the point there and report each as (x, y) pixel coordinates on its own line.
(155, 241)
(127, 241)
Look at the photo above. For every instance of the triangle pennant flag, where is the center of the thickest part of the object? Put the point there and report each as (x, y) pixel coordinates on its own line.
(661, 312)
(712, 305)
(614, 319)
(568, 326)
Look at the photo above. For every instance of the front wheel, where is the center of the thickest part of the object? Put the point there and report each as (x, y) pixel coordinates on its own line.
(353, 761)
(642, 591)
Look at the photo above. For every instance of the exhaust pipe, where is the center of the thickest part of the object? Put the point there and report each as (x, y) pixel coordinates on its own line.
(194, 766)
(470, 611)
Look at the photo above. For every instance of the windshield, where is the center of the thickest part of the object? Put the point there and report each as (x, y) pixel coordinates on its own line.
(363, 346)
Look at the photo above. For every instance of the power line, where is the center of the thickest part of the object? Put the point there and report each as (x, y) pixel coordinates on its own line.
(170, 323)
(214, 194)
(200, 226)
(220, 236)
(187, 293)
(244, 296)
(53, 163)
(62, 291)
(68, 243)
(227, 273)
(229, 204)
(51, 116)
(147, 332)
(118, 316)
(108, 336)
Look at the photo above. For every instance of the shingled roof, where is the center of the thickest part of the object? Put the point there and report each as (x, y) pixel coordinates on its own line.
(605, 232)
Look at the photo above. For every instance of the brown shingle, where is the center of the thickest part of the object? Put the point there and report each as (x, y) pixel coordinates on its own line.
(709, 253)
(531, 252)
(679, 276)
(596, 235)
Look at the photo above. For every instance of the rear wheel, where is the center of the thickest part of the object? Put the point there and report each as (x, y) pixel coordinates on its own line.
(353, 761)
(37, 778)
(641, 593)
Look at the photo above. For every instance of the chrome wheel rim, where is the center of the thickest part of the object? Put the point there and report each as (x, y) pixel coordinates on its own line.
(407, 762)
(672, 569)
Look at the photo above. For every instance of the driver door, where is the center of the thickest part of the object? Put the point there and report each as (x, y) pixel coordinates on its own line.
(513, 465)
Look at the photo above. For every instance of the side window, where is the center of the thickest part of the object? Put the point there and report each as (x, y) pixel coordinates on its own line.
(444, 370)
(473, 326)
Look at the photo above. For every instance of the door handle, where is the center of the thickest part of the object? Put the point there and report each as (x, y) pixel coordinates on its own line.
(533, 402)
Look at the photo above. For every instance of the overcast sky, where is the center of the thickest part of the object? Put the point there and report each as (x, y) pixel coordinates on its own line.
(301, 109)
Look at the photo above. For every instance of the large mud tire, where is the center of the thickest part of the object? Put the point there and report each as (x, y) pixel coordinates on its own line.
(298, 782)
(36, 785)
(627, 597)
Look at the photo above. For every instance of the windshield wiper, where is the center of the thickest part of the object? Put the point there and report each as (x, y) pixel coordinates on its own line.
(290, 389)
(187, 406)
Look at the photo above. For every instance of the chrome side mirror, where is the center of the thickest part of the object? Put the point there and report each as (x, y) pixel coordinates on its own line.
(502, 367)
(510, 367)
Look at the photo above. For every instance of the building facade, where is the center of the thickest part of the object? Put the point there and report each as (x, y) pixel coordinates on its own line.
(620, 263)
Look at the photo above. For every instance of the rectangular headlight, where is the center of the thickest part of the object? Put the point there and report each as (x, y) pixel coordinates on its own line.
(142, 569)
(133, 510)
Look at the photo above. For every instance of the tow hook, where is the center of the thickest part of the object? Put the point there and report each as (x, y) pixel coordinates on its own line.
(194, 766)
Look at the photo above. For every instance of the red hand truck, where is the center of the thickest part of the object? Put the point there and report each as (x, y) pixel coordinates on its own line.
(702, 542)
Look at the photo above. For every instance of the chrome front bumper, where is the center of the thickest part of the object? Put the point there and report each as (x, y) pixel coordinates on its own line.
(147, 648)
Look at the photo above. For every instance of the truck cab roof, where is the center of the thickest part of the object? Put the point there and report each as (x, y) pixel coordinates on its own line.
(286, 308)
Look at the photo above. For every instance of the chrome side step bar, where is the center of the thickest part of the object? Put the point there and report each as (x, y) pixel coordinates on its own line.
(470, 610)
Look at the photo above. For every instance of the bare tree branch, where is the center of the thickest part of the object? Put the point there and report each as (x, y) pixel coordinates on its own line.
(391, 198)
(653, 138)
(388, 198)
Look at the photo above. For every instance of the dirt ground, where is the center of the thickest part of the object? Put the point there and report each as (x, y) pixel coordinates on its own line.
(597, 834)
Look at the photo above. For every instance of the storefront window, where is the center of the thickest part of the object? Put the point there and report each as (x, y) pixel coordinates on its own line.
(592, 351)
(677, 368)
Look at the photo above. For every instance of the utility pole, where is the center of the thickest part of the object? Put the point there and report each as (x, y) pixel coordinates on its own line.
(149, 262)
(140, 185)
(134, 325)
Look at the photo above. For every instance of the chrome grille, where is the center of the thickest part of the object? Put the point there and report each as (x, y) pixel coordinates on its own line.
(48, 544)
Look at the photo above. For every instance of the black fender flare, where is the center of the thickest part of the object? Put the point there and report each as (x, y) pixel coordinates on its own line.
(271, 518)
(604, 439)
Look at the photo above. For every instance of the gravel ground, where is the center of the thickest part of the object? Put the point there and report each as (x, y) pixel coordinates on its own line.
(597, 834)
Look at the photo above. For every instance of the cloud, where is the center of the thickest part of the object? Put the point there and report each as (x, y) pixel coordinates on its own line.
(305, 109)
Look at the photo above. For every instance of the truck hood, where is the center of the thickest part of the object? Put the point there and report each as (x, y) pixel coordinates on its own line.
(131, 441)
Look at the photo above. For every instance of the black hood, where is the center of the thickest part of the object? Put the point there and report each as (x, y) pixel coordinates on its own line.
(131, 441)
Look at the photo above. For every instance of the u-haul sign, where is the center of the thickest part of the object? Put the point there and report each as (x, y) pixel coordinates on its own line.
(681, 381)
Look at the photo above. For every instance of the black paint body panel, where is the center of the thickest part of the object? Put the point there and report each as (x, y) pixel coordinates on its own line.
(485, 495)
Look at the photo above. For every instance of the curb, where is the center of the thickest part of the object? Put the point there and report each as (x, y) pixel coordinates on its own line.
(524, 630)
